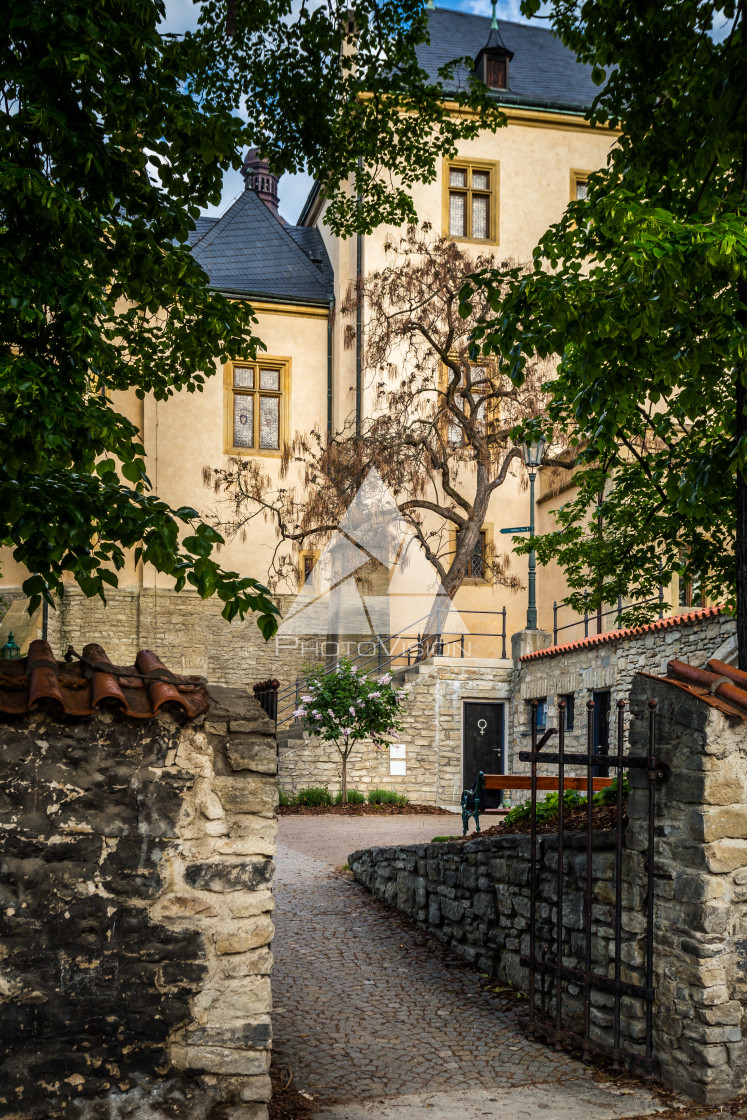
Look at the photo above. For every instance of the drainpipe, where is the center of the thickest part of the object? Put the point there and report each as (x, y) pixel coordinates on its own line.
(358, 321)
(329, 368)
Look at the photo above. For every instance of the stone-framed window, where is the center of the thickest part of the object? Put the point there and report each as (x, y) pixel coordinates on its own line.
(570, 709)
(257, 406)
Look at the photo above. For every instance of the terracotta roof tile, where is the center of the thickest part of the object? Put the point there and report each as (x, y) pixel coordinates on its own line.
(629, 632)
(83, 684)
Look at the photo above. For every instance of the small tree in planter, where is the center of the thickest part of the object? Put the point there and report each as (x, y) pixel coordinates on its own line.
(343, 707)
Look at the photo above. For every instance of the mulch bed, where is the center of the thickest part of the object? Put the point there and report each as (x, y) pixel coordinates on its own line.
(363, 810)
(603, 818)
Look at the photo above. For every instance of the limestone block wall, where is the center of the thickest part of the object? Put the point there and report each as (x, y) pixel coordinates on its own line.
(188, 632)
(700, 1019)
(136, 863)
(431, 733)
(611, 664)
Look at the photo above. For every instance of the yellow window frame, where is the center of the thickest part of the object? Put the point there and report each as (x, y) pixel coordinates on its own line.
(283, 367)
(493, 167)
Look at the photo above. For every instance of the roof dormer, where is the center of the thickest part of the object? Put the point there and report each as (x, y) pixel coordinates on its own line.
(491, 64)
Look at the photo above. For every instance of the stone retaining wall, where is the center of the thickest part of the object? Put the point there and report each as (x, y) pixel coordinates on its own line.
(189, 633)
(475, 896)
(136, 861)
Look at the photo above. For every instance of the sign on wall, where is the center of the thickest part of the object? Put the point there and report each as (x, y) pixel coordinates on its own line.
(397, 762)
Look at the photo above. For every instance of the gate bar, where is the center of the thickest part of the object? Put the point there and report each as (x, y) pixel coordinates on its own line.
(589, 859)
(652, 772)
(561, 877)
(533, 869)
(618, 880)
(627, 761)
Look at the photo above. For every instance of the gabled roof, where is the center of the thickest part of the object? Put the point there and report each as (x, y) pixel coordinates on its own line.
(248, 252)
(543, 73)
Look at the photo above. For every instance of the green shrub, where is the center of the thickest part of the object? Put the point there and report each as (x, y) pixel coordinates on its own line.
(608, 795)
(286, 798)
(443, 839)
(314, 795)
(355, 797)
(547, 810)
(387, 797)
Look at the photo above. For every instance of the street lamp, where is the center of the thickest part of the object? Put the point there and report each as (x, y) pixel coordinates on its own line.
(532, 453)
(11, 651)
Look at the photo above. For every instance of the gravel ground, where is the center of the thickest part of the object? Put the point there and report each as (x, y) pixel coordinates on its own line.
(331, 839)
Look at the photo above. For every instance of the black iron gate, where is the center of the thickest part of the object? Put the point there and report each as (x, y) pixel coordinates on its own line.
(548, 956)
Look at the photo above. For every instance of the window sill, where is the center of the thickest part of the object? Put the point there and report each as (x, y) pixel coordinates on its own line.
(250, 452)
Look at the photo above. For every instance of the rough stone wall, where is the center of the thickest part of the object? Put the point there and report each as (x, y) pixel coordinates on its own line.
(136, 861)
(188, 632)
(432, 734)
(474, 897)
(611, 665)
(700, 1020)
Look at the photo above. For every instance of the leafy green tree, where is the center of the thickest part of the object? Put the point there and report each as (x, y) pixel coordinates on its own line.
(344, 706)
(641, 290)
(113, 137)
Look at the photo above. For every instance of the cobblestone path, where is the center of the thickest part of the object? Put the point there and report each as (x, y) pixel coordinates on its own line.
(366, 1007)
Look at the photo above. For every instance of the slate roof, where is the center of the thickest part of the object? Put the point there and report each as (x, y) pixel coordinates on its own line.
(628, 632)
(91, 682)
(202, 226)
(249, 252)
(542, 73)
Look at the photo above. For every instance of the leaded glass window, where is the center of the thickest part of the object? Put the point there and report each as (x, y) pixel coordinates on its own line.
(470, 203)
(582, 188)
(476, 562)
(257, 400)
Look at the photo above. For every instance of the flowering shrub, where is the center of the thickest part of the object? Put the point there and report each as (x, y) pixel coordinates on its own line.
(343, 707)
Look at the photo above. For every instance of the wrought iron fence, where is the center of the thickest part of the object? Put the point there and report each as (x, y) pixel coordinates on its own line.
(596, 618)
(548, 956)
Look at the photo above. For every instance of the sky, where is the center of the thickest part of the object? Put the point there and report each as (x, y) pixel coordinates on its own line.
(181, 15)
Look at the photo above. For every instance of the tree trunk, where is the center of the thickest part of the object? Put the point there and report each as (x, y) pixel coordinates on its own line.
(344, 778)
(740, 542)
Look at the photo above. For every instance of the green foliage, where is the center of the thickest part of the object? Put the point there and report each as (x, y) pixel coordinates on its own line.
(444, 839)
(641, 291)
(387, 797)
(338, 88)
(547, 809)
(344, 706)
(106, 162)
(355, 797)
(114, 138)
(286, 799)
(314, 795)
(608, 795)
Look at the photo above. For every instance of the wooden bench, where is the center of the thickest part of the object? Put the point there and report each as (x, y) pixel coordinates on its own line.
(524, 781)
(471, 797)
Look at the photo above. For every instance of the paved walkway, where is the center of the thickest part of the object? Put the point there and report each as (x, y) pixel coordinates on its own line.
(375, 1020)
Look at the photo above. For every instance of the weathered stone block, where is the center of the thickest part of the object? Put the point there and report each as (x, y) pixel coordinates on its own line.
(247, 753)
(236, 876)
(247, 794)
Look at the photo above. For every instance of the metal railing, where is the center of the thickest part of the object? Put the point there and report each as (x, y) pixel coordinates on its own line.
(422, 645)
(599, 615)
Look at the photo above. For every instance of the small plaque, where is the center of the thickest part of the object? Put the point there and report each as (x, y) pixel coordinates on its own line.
(397, 768)
(397, 750)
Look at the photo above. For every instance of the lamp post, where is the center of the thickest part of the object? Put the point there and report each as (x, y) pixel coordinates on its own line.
(532, 453)
(11, 651)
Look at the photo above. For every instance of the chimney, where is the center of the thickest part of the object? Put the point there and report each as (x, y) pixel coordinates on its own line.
(259, 178)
